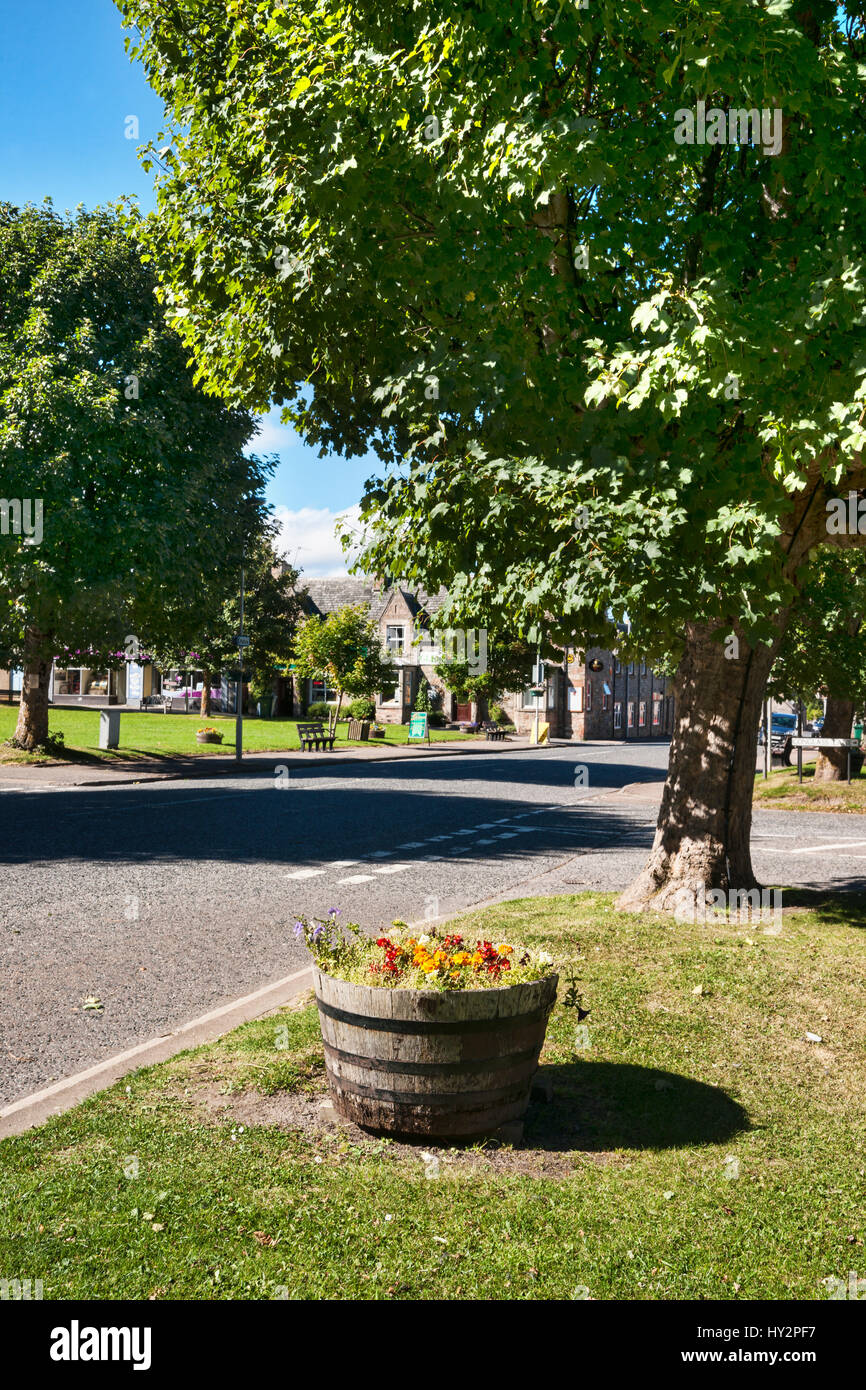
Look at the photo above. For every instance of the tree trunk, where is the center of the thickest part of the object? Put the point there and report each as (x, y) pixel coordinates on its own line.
(32, 727)
(832, 764)
(332, 726)
(704, 825)
(205, 694)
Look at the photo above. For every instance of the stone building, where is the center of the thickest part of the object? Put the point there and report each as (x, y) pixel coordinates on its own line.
(591, 695)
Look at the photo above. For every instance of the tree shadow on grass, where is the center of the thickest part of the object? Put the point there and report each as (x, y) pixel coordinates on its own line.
(599, 1106)
(846, 909)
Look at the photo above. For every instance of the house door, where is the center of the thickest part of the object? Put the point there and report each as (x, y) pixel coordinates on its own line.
(464, 712)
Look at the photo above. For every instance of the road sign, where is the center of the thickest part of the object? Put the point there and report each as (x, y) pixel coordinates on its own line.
(825, 742)
(242, 640)
(596, 664)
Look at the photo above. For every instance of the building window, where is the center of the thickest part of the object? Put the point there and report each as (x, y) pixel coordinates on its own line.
(551, 695)
(395, 636)
(575, 699)
(657, 709)
(605, 700)
(641, 717)
(530, 699)
(320, 692)
(631, 714)
(617, 715)
(588, 696)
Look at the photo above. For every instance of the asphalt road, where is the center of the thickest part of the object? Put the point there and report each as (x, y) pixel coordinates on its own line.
(166, 900)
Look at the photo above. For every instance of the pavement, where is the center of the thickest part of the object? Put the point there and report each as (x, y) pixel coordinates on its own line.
(109, 773)
(170, 898)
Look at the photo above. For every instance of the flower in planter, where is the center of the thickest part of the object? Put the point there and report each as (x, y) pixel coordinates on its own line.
(429, 961)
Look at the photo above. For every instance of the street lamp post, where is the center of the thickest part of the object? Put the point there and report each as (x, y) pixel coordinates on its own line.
(239, 712)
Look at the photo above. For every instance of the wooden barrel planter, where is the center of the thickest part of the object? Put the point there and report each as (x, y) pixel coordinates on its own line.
(452, 1065)
(208, 738)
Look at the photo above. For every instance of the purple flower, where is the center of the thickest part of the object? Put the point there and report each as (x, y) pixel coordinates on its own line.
(299, 929)
(317, 930)
(333, 912)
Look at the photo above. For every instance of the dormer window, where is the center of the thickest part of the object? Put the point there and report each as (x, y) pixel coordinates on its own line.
(395, 639)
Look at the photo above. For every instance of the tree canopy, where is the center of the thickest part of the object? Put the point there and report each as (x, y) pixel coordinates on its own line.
(471, 231)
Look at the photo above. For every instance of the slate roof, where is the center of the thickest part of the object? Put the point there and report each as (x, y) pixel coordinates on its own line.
(328, 595)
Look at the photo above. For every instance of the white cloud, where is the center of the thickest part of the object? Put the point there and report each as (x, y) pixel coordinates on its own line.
(308, 540)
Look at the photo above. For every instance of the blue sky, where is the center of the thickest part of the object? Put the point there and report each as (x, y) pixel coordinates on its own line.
(66, 88)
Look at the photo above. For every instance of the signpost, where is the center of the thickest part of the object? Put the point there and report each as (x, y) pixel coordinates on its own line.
(848, 743)
(418, 727)
(242, 641)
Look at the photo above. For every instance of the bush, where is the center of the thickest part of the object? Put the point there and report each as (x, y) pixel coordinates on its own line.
(362, 708)
(436, 719)
(319, 709)
(497, 714)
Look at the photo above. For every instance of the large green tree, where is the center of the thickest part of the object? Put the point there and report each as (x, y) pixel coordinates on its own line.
(140, 477)
(603, 329)
(202, 634)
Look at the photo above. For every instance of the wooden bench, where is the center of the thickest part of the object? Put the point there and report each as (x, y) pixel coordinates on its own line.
(314, 736)
(493, 731)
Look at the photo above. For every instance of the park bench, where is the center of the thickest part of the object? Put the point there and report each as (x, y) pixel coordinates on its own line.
(162, 702)
(314, 736)
(493, 731)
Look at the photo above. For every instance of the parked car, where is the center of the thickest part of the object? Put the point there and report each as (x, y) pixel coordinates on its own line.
(783, 727)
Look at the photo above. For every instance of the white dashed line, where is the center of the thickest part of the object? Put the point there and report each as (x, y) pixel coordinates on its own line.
(344, 863)
(380, 854)
(392, 869)
(485, 842)
(357, 878)
(841, 844)
(412, 844)
(306, 873)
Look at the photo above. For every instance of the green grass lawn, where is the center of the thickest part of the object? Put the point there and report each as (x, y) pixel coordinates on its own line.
(168, 735)
(784, 791)
(699, 1147)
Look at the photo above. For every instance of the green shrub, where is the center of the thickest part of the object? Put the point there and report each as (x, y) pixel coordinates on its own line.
(362, 708)
(436, 719)
(319, 709)
(497, 714)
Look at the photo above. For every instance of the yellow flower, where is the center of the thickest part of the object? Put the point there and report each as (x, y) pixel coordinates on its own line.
(455, 974)
(428, 966)
(477, 958)
(505, 950)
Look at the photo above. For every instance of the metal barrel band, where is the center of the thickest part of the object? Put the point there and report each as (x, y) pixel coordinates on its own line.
(421, 1027)
(482, 1064)
(458, 1100)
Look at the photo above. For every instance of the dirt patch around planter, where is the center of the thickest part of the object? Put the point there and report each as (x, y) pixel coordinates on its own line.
(302, 1114)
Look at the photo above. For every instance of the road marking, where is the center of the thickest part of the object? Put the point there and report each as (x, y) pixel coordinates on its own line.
(412, 844)
(357, 878)
(305, 873)
(378, 854)
(392, 869)
(344, 863)
(485, 842)
(487, 824)
(432, 839)
(465, 832)
(840, 844)
(506, 835)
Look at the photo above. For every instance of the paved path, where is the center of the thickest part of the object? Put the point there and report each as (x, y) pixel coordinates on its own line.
(168, 899)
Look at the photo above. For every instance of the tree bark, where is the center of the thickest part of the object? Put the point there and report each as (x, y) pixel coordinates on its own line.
(32, 727)
(704, 825)
(205, 694)
(832, 764)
